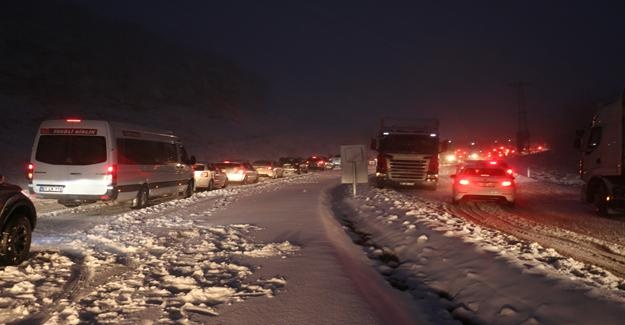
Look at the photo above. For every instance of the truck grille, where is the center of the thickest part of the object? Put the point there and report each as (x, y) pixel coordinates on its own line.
(408, 169)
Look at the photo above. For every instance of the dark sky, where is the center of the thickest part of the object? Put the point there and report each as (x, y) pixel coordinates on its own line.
(342, 64)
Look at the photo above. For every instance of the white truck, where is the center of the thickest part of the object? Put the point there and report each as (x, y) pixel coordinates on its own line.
(408, 152)
(81, 161)
(601, 165)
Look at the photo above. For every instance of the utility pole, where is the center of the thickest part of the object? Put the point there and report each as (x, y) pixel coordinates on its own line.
(523, 132)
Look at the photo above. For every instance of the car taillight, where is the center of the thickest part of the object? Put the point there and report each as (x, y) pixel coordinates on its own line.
(270, 168)
(204, 174)
(111, 174)
(433, 166)
(506, 183)
(382, 163)
(509, 171)
(463, 182)
(30, 171)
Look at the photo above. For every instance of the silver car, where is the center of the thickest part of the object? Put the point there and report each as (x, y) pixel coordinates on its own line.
(268, 168)
(484, 180)
(240, 172)
(208, 177)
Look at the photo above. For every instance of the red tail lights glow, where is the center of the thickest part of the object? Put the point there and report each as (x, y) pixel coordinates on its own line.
(463, 182)
(506, 183)
(73, 120)
(493, 162)
(111, 174)
(509, 171)
(30, 170)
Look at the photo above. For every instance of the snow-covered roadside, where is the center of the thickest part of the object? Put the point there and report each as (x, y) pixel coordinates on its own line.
(163, 263)
(480, 275)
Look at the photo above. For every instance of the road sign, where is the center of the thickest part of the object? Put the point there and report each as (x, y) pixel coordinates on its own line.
(354, 165)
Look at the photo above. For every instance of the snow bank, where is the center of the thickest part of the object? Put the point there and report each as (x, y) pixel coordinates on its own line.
(475, 274)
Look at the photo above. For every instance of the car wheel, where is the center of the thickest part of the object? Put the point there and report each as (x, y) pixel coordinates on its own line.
(141, 201)
(189, 191)
(599, 200)
(210, 185)
(245, 180)
(15, 240)
(225, 183)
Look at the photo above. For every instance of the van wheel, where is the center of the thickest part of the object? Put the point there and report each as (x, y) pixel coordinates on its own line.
(189, 191)
(141, 201)
(15, 240)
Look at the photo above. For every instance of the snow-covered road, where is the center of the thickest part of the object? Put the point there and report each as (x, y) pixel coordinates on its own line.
(301, 250)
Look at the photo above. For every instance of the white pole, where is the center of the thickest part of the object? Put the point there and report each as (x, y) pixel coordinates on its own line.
(354, 184)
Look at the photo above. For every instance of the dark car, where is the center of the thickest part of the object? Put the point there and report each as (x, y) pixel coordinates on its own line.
(294, 165)
(17, 221)
(317, 163)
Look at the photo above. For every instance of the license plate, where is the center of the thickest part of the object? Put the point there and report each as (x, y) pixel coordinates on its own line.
(48, 188)
(406, 183)
(488, 184)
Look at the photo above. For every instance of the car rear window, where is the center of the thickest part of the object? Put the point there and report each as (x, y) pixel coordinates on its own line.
(477, 171)
(199, 167)
(71, 150)
(228, 165)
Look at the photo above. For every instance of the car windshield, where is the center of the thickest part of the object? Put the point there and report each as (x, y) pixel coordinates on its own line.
(71, 150)
(199, 167)
(409, 143)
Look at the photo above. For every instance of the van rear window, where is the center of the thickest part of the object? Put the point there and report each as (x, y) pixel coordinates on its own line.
(71, 150)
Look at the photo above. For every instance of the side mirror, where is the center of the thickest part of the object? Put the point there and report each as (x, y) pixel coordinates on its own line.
(443, 146)
(374, 144)
(192, 161)
(577, 143)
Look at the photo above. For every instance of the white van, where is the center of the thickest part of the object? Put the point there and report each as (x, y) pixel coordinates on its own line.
(77, 161)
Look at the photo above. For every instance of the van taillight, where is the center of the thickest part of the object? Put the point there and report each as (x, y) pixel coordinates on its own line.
(111, 174)
(30, 171)
(382, 166)
(433, 166)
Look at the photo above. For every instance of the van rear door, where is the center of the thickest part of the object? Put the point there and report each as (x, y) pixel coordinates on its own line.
(71, 160)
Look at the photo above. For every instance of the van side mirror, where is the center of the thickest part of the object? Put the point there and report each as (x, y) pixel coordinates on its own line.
(577, 143)
(374, 144)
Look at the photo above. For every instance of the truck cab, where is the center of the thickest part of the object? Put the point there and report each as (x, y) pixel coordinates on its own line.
(407, 153)
(601, 163)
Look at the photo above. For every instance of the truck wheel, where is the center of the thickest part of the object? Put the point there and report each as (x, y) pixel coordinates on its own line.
(599, 200)
(189, 191)
(15, 240)
(141, 201)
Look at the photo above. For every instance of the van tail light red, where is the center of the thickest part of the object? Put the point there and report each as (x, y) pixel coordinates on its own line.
(463, 182)
(111, 174)
(433, 166)
(30, 171)
(506, 183)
